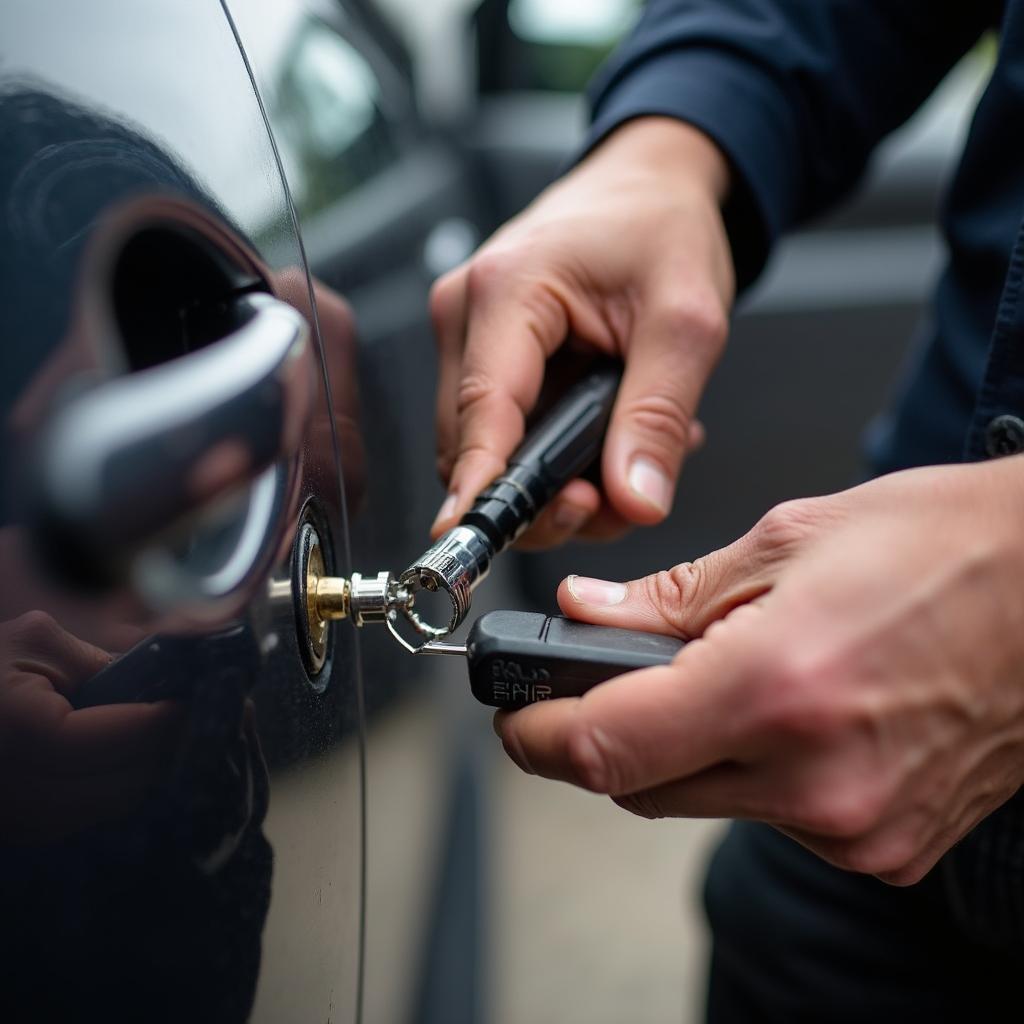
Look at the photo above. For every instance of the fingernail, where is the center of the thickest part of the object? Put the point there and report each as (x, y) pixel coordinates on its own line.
(586, 590)
(570, 517)
(648, 480)
(447, 509)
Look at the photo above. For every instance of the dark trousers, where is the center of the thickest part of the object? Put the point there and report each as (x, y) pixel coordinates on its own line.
(797, 940)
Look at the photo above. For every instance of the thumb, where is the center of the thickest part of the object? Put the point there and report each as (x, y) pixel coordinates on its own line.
(684, 600)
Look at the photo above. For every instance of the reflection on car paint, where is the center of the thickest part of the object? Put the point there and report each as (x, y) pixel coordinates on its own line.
(138, 751)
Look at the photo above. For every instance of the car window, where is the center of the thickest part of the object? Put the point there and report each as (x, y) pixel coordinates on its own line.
(335, 115)
(328, 116)
(565, 42)
(594, 22)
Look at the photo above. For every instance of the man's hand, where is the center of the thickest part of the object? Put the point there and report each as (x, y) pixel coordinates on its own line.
(628, 256)
(858, 680)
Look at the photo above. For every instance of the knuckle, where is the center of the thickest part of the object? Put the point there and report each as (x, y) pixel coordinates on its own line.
(474, 388)
(841, 813)
(798, 699)
(663, 418)
(891, 860)
(695, 316)
(488, 271)
(788, 688)
(672, 591)
(788, 524)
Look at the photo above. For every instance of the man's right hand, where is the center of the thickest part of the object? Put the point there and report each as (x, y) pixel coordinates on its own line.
(628, 255)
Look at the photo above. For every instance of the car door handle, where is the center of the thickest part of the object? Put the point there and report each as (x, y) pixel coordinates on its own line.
(126, 461)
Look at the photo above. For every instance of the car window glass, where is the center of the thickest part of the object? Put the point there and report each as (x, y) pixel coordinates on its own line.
(325, 102)
(564, 43)
(592, 22)
(329, 118)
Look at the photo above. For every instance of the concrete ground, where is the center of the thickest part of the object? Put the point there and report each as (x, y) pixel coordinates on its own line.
(596, 912)
(593, 914)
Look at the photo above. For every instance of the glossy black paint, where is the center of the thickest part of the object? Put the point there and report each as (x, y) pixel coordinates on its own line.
(136, 855)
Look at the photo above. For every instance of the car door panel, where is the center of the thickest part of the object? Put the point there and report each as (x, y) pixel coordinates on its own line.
(385, 205)
(135, 836)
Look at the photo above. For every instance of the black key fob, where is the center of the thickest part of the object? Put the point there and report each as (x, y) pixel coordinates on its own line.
(518, 658)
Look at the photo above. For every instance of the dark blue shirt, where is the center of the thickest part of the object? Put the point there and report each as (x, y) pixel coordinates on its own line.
(797, 93)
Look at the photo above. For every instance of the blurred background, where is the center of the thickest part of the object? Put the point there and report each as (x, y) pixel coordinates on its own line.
(589, 914)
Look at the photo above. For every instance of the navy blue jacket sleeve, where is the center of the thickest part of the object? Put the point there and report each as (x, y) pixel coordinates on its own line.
(795, 92)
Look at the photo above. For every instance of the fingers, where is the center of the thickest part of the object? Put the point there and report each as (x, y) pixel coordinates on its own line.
(570, 510)
(580, 511)
(639, 730)
(657, 297)
(513, 324)
(674, 346)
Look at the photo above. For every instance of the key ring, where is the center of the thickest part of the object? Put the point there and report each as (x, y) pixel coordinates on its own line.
(424, 629)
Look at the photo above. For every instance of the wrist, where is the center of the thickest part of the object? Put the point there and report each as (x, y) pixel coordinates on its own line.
(668, 147)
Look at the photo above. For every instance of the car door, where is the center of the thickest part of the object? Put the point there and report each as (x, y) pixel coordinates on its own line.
(386, 203)
(174, 399)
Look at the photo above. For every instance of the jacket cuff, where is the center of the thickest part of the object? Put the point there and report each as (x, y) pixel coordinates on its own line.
(744, 111)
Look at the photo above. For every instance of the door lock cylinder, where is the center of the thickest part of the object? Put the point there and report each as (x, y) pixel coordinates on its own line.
(363, 600)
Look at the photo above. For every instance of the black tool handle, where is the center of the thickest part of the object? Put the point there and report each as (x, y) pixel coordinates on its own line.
(560, 447)
(518, 658)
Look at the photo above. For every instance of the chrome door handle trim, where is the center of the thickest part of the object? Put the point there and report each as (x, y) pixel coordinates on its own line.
(126, 461)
